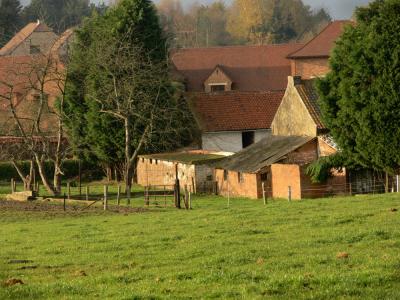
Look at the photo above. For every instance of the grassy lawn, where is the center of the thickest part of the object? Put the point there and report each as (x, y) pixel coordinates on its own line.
(282, 250)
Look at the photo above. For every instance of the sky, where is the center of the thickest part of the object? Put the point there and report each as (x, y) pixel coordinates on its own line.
(339, 9)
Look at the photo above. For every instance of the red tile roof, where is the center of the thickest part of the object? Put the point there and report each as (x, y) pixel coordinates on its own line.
(252, 68)
(14, 71)
(234, 111)
(309, 95)
(323, 43)
(22, 35)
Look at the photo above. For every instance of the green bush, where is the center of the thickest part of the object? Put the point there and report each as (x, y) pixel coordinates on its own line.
(70, 168)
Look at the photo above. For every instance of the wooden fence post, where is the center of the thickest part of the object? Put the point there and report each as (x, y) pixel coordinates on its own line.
(12, 185)
(118, 194)
(105, 197)
(186, 197)
(229, 194)
(177, 194)
(190, 200)
(263, 191)
(87, 193)
(64, 202)
(397, 183)
(290, 193)
(69, 190)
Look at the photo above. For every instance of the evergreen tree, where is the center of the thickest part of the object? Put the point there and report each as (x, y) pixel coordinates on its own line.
(360, 97)
(10, 19)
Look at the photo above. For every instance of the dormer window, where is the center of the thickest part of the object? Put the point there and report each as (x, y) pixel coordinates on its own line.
(217, 87)
(218, 81)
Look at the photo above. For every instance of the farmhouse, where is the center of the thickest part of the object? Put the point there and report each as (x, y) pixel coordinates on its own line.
(192, 168)
(277, 163)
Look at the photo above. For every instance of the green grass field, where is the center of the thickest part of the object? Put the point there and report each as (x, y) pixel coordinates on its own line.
(248, 251)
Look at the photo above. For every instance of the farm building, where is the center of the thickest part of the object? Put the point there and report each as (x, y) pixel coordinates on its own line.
(278, 162)
(191, 168)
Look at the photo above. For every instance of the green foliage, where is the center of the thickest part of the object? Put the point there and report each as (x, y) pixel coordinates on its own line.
(249, 251)
(10, 19)
(70, 169)
(132, 29)
(60, 14)
(360, 97)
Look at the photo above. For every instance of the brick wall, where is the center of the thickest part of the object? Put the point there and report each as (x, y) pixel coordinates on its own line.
(284, 176)
(249, 187)
(309, 68)
(303, 155)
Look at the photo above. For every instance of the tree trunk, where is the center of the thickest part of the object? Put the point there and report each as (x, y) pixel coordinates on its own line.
(27, 180)
(42, 174)
(128, 181)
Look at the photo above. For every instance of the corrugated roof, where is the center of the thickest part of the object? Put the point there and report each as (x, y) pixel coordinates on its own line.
(252, 68)
(323, 43)
(309, 95)
(185, 157)
(22, 35)
(262, 154)
(232, 111)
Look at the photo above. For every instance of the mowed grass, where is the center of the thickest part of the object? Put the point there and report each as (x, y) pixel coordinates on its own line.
(249, 251)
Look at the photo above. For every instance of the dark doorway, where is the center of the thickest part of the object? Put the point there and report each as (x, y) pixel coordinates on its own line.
(247, 138)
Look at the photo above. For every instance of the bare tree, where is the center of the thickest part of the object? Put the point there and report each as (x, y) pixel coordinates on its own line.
(131, 87)
(29, 94)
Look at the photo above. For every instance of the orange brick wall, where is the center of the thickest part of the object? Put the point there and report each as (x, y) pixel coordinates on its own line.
(284, 176)
(304, 154)
(310, 67)
(250, 187)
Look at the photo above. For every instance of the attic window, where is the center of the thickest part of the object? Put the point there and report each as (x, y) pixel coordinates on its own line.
(34, 49)
(217, 87)
(248, 138)
(240, 177)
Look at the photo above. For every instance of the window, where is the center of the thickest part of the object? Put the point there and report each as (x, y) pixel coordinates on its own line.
(217, 88)
(156, 161)
(225, 175)
(264, 177)
(247, 138)
(34, 49)
(240, 177)
(151, 161)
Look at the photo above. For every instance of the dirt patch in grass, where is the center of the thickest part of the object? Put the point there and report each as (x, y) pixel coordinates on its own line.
(50, 208)
(12, 281)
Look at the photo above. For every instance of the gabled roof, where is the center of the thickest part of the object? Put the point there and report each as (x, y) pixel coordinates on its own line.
(15, 71)
(309, 95)
(22, 35)
(322, 44)
(251, 68)
(221, 69)
(262, 154)
(234, 111)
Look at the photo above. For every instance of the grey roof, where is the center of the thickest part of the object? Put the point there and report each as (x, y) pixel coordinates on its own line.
(262, 154)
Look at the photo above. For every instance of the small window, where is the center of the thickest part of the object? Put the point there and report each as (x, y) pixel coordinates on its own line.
(240, 177)
(218, 88)
(156, 161)
(34, 49)
(142, 159)
(248, 138)
(264, 177)
(151, 161)
(225, 175)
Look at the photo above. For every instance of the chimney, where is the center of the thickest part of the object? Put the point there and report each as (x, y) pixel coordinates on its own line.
(296, 80)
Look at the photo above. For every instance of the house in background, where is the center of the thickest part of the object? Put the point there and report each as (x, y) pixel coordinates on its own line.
(34, 38)
(234, 92)
(232, 121)
(312, 59)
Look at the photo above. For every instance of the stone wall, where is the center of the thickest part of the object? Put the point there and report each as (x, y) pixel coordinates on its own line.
(292, 117)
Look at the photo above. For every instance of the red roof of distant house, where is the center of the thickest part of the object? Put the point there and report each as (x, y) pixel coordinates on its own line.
(232, 111)
(22, 35)
(14, 71)
(252, 68)
(323, 43)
